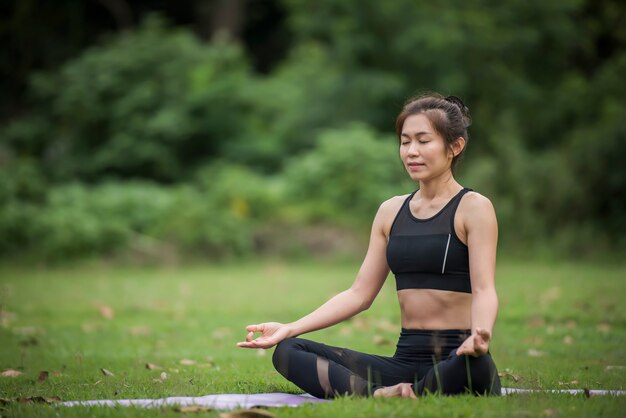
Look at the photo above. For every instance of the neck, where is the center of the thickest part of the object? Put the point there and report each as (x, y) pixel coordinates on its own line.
(443, 185)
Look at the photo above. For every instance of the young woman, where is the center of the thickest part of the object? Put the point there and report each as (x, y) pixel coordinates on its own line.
(440, 242)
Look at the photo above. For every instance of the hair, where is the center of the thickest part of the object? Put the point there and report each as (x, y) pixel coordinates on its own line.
(448, 116)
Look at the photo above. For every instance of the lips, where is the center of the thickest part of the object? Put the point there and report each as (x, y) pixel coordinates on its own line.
(415, 166)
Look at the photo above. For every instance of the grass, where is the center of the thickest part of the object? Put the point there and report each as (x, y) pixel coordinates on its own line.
(561, 325)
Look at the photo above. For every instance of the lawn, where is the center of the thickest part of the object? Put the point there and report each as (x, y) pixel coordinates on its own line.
(561, 325)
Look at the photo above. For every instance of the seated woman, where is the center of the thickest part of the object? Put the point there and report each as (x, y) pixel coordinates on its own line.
(440, 242)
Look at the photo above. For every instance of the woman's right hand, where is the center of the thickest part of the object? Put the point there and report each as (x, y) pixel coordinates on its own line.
(271, 334)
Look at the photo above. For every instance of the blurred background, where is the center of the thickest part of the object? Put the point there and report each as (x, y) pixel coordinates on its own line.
(162, 131)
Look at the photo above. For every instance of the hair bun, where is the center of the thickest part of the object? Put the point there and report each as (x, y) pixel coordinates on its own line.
(464, 109)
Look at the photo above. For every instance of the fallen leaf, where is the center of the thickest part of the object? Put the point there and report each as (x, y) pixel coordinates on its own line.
(603, 327)
(386, 325)
(571, 324)
(507, 373)
(152, 366)
(551, 295)
(550, 412)
(573, 382)
(106, 372)
(193, 408)
(380, 340)
(43, 376)
(222, 333)
(345, 331)
(187, 362)
(57, 373)
(31, 341)
(11, 373)
(98, 382)
(536, 322)
(361, 323)
(535, 353)
(568, 339)
(248, 413)
(106, 312)
(39, 399)
(163, 376)
(140, 331)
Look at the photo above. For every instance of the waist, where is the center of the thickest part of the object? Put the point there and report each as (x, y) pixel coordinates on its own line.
(426, 344)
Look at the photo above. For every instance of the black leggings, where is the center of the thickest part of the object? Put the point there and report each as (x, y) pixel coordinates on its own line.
(425, 358)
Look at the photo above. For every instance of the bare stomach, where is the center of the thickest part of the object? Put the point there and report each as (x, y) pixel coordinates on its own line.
(435, 309)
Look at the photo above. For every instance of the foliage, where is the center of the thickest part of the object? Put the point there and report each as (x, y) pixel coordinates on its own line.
(347, 175)
(543, 81)
(154, 104)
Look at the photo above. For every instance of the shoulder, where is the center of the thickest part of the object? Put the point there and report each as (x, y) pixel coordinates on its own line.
(475, 208)
(387, 212)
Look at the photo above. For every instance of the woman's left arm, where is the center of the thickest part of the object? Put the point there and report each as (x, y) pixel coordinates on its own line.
(481, 229)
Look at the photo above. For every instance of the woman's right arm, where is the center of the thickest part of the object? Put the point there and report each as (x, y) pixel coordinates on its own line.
(357, 298)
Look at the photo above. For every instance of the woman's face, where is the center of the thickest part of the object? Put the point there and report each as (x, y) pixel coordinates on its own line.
(422, 150)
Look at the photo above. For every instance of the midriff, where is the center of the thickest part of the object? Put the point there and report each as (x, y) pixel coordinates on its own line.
(435, 309)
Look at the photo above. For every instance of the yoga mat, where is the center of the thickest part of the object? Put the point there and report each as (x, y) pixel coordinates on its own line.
(234, 401)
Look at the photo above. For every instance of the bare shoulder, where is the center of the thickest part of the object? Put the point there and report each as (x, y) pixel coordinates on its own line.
(474, 207)
(387, 212)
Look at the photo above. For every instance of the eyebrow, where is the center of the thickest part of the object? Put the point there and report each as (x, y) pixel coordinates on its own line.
(418, 134)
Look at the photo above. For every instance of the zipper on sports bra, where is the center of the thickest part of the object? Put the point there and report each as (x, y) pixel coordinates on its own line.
(445, 257)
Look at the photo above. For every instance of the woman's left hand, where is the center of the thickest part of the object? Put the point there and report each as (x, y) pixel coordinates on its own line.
(476, 344)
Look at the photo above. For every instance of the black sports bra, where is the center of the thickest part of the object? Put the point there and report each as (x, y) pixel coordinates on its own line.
(426, 253)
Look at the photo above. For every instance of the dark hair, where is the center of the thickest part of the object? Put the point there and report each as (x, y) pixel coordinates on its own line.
(448, 116)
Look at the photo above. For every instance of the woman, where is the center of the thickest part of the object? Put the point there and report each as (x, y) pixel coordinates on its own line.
(440, 242)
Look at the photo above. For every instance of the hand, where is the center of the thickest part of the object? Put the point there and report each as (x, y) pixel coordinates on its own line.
(271, 334)
(476, 344)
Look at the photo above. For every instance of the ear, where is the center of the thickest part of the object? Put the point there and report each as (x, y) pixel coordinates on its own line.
(458, 146)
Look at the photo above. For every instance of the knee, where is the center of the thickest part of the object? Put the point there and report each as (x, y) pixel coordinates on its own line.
(281, 355)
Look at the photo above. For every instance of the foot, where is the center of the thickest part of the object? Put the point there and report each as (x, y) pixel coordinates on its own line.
(401, 390)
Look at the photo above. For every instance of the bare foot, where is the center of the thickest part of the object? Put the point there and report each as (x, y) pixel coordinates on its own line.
(401, 390)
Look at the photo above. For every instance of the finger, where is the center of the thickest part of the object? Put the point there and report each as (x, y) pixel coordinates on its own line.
(250, 336)
(486, 335)
(255, 328)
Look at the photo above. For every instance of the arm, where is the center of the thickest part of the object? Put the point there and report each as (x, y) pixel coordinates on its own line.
(357, 298)
(481, 229)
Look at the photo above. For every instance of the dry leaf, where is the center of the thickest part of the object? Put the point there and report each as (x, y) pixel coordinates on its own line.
(508, 373)
(187, 362)
(222, 333)
(571, 324)
(39, 399)
(248, 413)
(550, 412)
(106, 372)
(43, 376)
(97, 383)
(573, 382)
(106, 311)
(380, 340)
(361, 323)
(603, 327)
(163, 376)
(152, 366)
(57, 373)
(193, 408)
(536, 322)
(11, 373)
(140, 331)
(345, 331)
(535, 353)
(568, 339)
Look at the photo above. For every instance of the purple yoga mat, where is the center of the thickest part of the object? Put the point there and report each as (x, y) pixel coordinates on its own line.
(221, 401)
(234, 401)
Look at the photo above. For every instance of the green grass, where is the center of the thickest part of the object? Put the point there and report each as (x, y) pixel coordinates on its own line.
(571, 314)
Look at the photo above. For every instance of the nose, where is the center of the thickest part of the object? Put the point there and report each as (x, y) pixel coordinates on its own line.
(413, 148)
